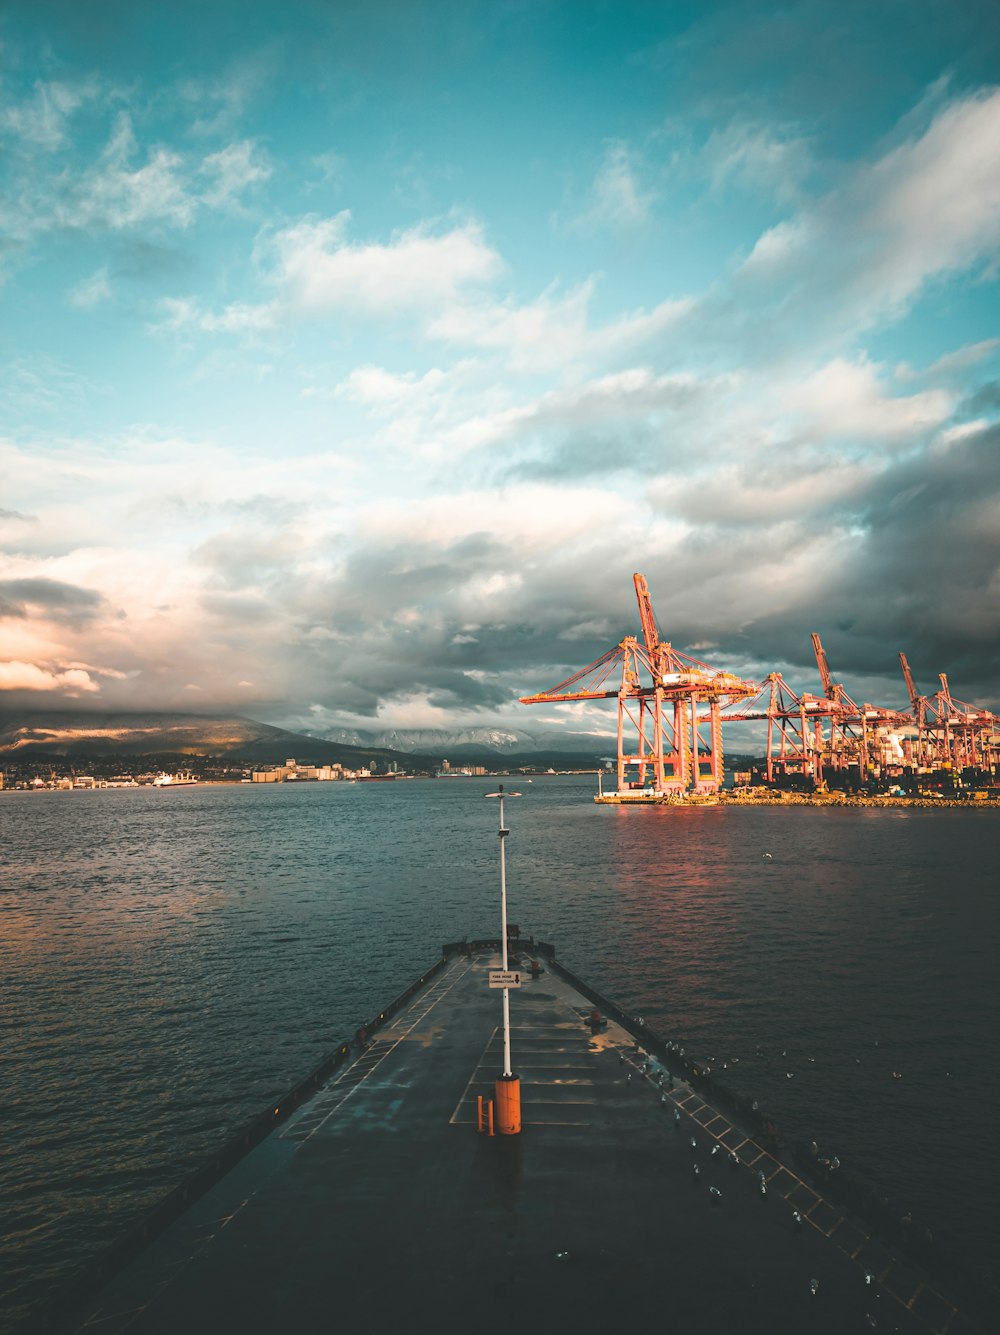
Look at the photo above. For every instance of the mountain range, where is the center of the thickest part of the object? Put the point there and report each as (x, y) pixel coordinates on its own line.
(74, 734)
(466, 742)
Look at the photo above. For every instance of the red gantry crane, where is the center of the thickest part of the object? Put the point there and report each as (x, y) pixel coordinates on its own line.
(951, 734)
(664, 749)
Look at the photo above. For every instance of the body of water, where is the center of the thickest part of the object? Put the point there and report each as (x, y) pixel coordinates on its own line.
(171, 961)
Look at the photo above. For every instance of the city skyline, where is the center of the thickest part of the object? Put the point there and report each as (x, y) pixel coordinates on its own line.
(352, 357)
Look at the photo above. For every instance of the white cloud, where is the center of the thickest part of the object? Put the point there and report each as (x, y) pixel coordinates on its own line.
(542, 334)
(319, 270)
(928, 208)
(847, 399)
(237, 318)
(129, 186)
(757, 157)
(962, 359)
(90, 292)
(117, 195)
(937, 200)
(232, 170)
(618, 199)
(42, 119)
(379, 388)
(760, 494)
(552, 332)
(529, 518)
(18, 676)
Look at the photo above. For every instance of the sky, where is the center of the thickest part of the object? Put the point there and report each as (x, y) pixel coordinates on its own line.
(354, 355)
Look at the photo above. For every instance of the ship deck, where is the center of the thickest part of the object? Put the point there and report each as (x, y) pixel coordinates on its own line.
(379, 1205)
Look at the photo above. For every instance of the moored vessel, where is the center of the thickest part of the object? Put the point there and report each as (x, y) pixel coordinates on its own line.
(184, 778)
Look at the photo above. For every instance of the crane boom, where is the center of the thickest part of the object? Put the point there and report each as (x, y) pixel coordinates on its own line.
(650, 634)
(824, 671)
(908, 678)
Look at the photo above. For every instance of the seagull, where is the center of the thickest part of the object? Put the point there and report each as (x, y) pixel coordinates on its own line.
(797, 1221)
(694, 1143)
(677, 1118)
(814, 1287)
(715, 1193)
(768, 855)
(697, 1172)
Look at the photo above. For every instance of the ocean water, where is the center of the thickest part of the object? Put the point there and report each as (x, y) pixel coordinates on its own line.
(170, 961)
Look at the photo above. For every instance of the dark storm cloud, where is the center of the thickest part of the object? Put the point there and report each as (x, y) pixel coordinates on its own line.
(916, 568)
(985, 400)
(51, 598)
(910, 561)
(17, 516)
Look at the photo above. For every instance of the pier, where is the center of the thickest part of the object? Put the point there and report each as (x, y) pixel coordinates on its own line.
(629, 1196)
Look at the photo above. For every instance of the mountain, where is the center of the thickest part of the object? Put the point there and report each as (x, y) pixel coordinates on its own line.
(32, 735)
(78, 733)
(470, 743)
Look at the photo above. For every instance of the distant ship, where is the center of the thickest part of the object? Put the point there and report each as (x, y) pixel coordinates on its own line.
(182, 779)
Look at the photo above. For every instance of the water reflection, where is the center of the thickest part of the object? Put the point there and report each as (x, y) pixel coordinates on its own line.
(171, 962)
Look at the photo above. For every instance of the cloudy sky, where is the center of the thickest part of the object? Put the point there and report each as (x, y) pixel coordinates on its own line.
(354, 355)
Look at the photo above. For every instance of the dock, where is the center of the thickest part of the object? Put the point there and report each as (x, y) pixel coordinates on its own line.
(378, 1205)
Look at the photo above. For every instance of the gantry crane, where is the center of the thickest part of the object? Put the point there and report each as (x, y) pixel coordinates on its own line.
(951, 734)
(662, 747)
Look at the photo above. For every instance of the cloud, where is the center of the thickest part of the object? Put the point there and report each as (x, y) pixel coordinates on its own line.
(43, 118)
(758, 494)
(553, 332)
(231, 171)
(238, 318)
(319, 270)
(863, 254)
(219, 102)
(378, 388)
(90, 292)
(128, 187)
(845, 399)
(51, 598)
(617, 199)
(116, 194)
(16, 676)
(756, 157)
